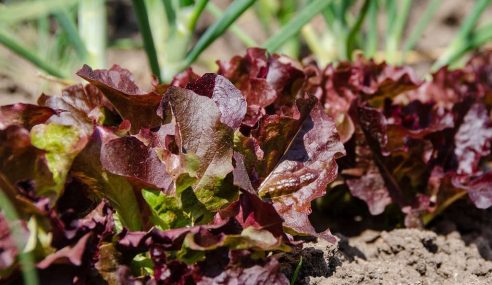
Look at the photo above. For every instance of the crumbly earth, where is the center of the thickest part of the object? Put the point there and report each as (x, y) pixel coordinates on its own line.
(402, 256)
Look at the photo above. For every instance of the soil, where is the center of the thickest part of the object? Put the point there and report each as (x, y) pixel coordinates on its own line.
(457, 249)
(11, 93)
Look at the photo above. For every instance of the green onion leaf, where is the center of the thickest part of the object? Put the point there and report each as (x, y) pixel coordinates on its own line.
(295, 25)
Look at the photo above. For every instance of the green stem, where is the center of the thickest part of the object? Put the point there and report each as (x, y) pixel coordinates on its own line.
(329, 16)
(43, 36)
(313, 42)
(427, 218)
(285, 12)
(17, 11)
(475, 40)
(293, 280)
(171, 41)
(70, 28)
(322, 46)
(92, 30)
(195, 15)
(372, 34)
(264, 11)
(472, 18)
(461, 40)
(26, 260)
(421, 25)
(481, 36)
(356, 28)
(336, 22)
(236, 9)
(397, 24)
(28, 55)
(342, 7)
(170, 13)
(143, 23)
(240, 34)
(295, 25)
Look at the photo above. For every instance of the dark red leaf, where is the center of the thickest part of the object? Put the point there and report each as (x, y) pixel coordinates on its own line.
(266, 274)
(371, 188)
(263, 80)
(8, 249)
(479, 189)
(25, 115)
(182, 79)
(250, 210)
(118, 86)
(116, 189)
(129, 157)
(81, 106)
(204, 137)
(231, 104)
(304, 170)
(473, 139)
(67, 255)
(240, 174)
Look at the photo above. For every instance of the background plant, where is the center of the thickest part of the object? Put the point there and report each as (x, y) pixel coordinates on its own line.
(69, 33)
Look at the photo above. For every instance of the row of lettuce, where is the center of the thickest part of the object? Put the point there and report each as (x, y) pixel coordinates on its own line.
(210, 179)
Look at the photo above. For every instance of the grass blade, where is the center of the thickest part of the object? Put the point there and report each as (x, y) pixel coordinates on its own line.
(372, 33)
(26, 260)
(143, 23)
(295, 25)
(421, 25)
(295, 275)
(28, 55)
(67, 24)
(236, 9)
(460, 42)
(356, 28)
(240, 34)
(28, 10)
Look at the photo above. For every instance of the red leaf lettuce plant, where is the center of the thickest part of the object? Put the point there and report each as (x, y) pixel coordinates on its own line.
(419, 145)
(202, 181)
(209, 179)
